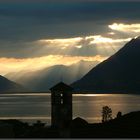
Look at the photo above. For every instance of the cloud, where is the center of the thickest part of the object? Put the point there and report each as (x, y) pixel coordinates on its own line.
(78, 46)
(33, 31)
(125, 27)
(82, 46)
(43, 53)
(34, 21)
(31, 64)
(28, 1)
(98, 39)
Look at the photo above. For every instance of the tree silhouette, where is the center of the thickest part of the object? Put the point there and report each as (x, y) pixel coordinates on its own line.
(106, 113)
(119, 114)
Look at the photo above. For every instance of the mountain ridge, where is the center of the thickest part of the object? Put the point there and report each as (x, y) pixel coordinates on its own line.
(119, 73)
(42, 80)
(8, 86)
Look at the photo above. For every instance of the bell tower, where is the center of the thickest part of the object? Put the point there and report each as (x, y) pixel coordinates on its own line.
(61, 105)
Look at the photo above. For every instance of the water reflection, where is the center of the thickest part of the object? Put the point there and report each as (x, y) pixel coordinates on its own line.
(35, 106)
(90, 106)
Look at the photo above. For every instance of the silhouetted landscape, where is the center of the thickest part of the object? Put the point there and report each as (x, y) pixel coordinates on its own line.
(125, 126)
(117, 74)
(10, 86)
(69, 69)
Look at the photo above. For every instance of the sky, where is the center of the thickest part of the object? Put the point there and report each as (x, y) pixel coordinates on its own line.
(36, 34)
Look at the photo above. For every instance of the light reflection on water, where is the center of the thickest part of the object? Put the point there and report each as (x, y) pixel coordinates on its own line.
(37, 106)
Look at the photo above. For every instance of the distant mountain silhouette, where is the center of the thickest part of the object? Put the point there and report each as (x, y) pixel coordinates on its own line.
(42, 80)
(9, 86)
(119, 73)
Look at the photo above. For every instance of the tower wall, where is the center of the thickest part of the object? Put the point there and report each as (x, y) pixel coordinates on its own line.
(61, 112)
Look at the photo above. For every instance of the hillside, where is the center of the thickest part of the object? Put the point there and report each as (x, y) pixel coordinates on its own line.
(119, 73)
(126, 126)
(42, 80)
(9, 86)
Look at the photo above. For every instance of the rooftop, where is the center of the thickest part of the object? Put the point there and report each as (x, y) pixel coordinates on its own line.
(61, 87)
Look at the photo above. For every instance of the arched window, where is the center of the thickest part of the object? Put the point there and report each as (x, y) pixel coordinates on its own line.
(61, 98)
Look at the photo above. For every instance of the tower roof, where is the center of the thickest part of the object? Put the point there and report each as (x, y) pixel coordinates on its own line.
(61, 87)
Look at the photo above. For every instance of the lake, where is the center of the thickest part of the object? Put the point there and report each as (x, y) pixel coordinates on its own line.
(32, 107)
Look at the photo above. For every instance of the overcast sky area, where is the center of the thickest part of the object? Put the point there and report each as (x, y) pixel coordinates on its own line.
(35, 34)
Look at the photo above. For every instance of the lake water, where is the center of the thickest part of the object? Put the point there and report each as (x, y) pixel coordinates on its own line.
(34, 107)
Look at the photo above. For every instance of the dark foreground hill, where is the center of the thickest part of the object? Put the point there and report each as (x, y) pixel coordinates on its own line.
(9, 86)
(126, 126)
(119, 73)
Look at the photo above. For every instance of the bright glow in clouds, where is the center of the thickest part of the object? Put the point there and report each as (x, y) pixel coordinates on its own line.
(67, 51)
(62, 42)
(15, 65)
(111, 33)
(125, 27)
(74, 42)
(65, 40)
(99, 39)
(82, 46)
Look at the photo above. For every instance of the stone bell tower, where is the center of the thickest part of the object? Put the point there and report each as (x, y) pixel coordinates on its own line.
(61, 105)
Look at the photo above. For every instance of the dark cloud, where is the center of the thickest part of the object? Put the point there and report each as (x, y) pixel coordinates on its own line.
(28, 1)
(38, 49)
(53, 20)
(23, 23)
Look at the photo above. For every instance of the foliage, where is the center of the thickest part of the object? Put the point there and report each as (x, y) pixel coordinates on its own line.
(106, 113)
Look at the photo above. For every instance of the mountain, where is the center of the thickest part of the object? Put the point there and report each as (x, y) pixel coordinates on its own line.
(9, 86)
(42, 80)
(119, 73)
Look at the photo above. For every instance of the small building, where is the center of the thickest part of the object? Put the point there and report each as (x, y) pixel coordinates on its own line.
(61, 105)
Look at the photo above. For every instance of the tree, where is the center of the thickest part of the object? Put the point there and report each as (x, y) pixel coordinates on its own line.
(106, 113)
(119, 114)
